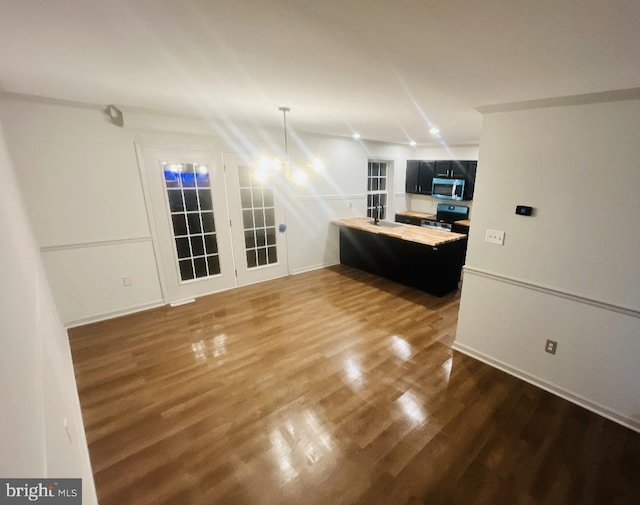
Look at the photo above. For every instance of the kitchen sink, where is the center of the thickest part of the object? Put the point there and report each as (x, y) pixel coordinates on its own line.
(386, 224)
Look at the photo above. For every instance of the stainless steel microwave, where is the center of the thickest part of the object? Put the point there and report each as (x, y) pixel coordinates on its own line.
(449, 189)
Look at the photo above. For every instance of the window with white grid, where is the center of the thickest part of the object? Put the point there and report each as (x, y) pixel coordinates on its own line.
(377, 187)
(258, 220)
(192, 219)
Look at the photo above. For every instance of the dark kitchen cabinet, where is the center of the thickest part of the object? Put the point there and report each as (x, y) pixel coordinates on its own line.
(420, 174)
(419, 177)
(470, 179)
(442, 168)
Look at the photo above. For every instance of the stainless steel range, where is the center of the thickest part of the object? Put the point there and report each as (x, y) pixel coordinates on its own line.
(445, 217)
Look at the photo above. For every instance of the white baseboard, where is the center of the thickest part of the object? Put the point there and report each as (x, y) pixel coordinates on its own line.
(601, 410)
(313, 267)
(111, 315)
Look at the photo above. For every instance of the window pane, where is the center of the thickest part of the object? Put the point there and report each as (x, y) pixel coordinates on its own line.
(186, 270)
(205, 199)
(208, 224)
(188, 180)
(251, 258)
(202, 180)
(271, 236)
(182, 248)
(383, 169)
(245, 198)
(273, 255)
(262, 256)
(214, 265)
(191, 199)
(211, 244)
(268, 197)
(261, 238)
(249, 239)
(179, 224)
(257, 197)
(197, 246)
(175, 200)
(200, 266)
(270, 217)
(382, 184)
(171, 178)
(194, 223)
(247, 218)
(258, 216)
(244, 176)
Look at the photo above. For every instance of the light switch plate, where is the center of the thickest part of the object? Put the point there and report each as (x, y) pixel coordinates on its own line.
(494, 237)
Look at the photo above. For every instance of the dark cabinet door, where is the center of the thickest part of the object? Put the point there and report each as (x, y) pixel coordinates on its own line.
(419, 177)
(458, 169)
(470, 180)
(442, 168)
(412, 178)
(425, 177)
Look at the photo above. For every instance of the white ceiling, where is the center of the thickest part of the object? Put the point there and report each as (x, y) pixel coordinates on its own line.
(388, 69)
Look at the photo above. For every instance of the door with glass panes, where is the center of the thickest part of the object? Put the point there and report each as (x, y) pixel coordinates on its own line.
(257, 212)
(189, 204)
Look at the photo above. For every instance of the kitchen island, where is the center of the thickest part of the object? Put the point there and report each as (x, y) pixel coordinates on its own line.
(426, 259)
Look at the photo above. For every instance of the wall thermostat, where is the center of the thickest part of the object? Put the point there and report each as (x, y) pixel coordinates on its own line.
(524, 210)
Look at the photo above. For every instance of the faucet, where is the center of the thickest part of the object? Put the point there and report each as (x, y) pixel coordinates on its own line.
(376, 213)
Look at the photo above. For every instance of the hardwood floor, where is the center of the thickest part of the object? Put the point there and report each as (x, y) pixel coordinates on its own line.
(330, 387)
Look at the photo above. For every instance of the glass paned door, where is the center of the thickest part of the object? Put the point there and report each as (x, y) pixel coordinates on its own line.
(257, 213)
(188, 200)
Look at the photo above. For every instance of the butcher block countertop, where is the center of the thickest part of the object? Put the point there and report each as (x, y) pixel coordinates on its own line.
(418, 234)
(464, 222)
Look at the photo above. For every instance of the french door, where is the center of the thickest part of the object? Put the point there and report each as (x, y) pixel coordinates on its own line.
(258, 222)
(213, 230)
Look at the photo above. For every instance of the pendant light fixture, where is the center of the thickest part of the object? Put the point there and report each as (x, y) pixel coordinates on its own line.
(287, 166)
(267, 166)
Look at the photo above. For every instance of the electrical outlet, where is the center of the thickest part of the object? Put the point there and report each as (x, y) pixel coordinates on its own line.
(126, 282)
(494, 237)
(551, 346)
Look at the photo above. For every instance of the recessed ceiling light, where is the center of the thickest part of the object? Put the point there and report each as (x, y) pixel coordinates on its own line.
(412, 143)
(356, 135)
(434, 130)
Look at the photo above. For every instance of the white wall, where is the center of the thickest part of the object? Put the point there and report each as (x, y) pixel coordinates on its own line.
(37, 384)
(569, 273)
(80, 181)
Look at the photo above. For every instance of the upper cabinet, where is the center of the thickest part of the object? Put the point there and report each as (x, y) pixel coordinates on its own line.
(443, 168)
(419, 177)
(420, 174)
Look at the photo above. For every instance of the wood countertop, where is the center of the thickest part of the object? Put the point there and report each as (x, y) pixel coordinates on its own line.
(464, 222)
(418, 234)
(421, 215)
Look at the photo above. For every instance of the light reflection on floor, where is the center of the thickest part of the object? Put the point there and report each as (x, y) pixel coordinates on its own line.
(299, 443)
(401, 348)
(216, 348)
